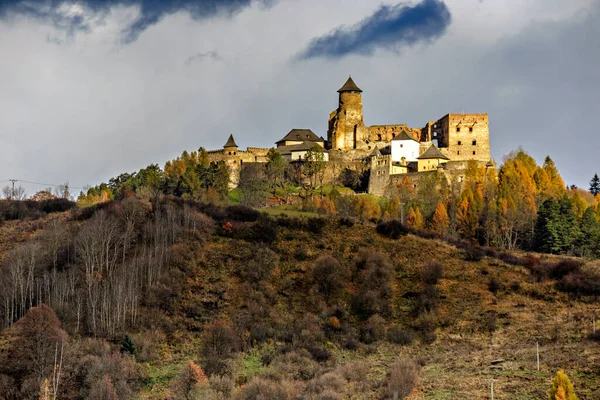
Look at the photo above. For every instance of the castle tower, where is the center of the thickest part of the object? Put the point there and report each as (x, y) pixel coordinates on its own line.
(230, 146)
(347, 129)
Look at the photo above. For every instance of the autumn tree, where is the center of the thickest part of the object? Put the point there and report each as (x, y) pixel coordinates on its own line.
(187, 384)
(329, 277)
(440, 222)
(562, 388)
(35, 341)
(414, 219)
(45, 194)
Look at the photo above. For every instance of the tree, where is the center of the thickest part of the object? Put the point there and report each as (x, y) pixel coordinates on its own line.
(562, 388)
(404, 376)
(414, 219)
(329, 277)
(275, 168)
(595, 185)
(252, 185)
(589, 240)
(103, 389)
(35, 339)
(127, 345)
(556, 229)
(187, 383)
(314, 166)
(41, 195)
(440, 222)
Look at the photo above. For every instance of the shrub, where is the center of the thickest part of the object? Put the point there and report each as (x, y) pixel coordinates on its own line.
(474, 253)
(296, 366)
(264, 230)
(329, 277)
(259, 268)
(594, 336)
(564, 268)
(579, 283)
(397, 335)
(432, 272)
(242, 213)
(372, 330)
(494, 285)
(403, 377)
(393, 229)
(219, 346)
(346, 221)
(316, 224)
(319, 354)
(355, 371)
(562, 388)
(263, 389)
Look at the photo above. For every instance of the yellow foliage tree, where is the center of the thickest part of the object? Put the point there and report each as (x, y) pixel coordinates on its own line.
(562, 388)
(440, 221)
(414, 220)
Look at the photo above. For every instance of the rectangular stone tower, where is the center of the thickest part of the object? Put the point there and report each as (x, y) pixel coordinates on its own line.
(462, 137)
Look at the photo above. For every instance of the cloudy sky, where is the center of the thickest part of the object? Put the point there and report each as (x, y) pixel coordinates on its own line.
(94, 88)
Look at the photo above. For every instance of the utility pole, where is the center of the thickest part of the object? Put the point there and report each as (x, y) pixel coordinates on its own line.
(537, 349)
(402, 213)
(12, 194)
(491, 388)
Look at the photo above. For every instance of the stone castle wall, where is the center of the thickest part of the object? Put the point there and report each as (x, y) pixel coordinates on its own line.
(235, 159)
(385, 133)
(463, 136)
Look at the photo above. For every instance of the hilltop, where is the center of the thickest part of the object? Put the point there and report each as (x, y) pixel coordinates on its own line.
(281, 307)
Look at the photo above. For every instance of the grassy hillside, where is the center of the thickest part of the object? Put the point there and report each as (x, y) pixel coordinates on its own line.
(283, 307)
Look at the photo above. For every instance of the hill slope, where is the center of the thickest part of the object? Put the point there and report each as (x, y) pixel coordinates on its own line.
(292, 307)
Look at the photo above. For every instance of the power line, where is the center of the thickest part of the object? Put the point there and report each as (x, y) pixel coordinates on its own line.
(40, 183)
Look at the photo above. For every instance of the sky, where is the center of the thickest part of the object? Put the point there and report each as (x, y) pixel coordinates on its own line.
(91, 89)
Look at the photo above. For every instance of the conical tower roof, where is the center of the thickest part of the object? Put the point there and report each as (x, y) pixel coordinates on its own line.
(230, 142)
(349, 86)
(376, 152)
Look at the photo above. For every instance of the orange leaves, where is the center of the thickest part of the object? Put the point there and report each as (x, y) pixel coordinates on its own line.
(440, 221)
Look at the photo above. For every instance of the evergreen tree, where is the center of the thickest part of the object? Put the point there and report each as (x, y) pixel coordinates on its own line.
(595, 185)
(127, 345)
(546, 232)
(562, 388)
(556, 229)
(589, 240)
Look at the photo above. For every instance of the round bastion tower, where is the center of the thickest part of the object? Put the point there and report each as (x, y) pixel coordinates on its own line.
(347, 129)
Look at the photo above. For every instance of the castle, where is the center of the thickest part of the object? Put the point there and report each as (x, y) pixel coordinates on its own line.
(391, 152)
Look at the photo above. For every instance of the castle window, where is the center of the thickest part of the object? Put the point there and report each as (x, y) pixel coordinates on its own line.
(473, 152)
(474, 142)
(459, 143)
(401, 145)
(457, 129)
(229, 153)
(434, 134)
(458, 152)
(234, 153)
(471, 129)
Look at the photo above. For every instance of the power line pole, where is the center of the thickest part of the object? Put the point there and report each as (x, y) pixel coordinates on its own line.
(537, 348)
(491, 388)
(12, 194)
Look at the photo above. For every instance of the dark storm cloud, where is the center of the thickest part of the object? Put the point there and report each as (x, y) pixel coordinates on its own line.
(390, 27)
(151, 11)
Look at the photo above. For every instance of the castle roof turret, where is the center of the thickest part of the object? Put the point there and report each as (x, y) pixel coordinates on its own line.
(349, 86)
(230, 142)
